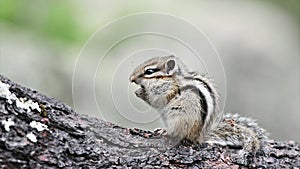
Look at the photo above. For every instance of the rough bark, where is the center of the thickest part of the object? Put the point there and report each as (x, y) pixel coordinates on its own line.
(71, 140)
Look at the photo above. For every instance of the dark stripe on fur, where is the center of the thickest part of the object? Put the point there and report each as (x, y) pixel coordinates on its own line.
(204, 105)
(207, 87)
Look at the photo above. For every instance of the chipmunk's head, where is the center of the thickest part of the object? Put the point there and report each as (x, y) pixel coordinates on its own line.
(157, 78)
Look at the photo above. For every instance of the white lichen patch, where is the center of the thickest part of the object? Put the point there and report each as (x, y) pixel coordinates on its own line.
(4, 89)
(27, 105)
(31, 137)
(39, 126)
(7, 124)
(5, 93)
(23, 103)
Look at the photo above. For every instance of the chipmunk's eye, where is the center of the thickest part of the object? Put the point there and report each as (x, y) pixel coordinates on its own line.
(150, 71)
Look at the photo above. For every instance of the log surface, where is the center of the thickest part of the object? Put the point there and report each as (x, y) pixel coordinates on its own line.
(63, 138)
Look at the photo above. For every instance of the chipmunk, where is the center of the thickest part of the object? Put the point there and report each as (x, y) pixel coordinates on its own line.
(188, 104)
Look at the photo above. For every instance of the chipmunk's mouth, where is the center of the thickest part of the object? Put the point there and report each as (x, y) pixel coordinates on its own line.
(140, 92)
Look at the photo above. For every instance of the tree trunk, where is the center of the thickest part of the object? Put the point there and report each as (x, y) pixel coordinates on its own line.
(42, 132)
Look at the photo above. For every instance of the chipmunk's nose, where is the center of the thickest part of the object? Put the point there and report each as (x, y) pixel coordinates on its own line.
(132, 79)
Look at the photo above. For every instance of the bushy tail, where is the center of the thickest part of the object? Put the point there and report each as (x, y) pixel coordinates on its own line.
(237, 131)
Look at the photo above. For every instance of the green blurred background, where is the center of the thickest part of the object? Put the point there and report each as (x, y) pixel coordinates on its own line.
(258, 42)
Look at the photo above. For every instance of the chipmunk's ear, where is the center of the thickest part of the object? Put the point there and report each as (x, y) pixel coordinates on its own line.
(170, 65)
